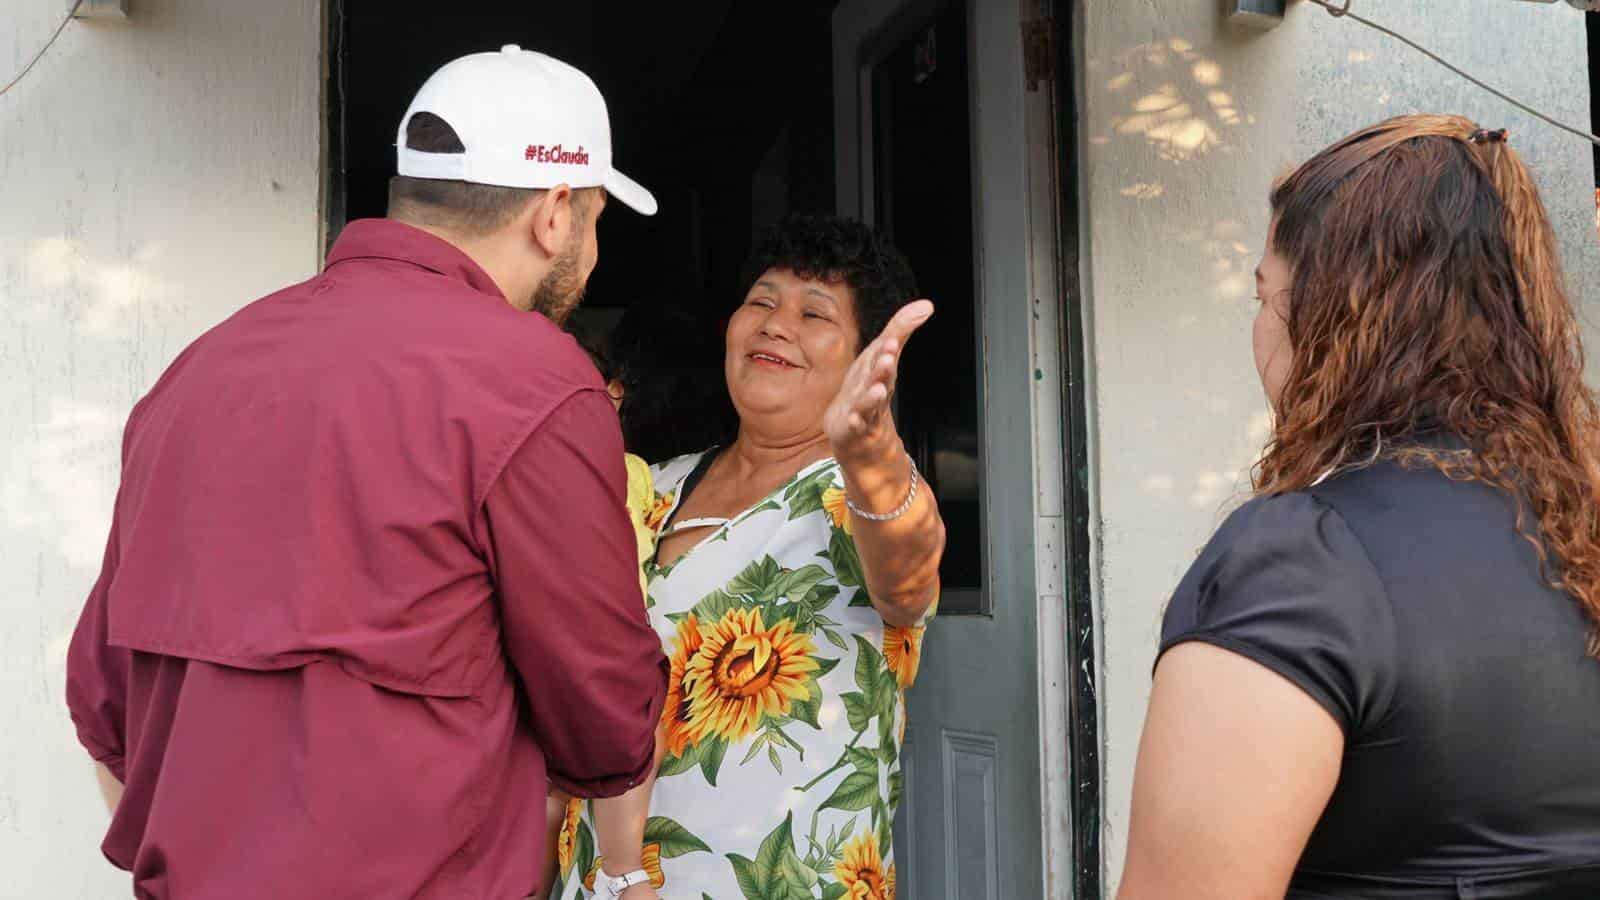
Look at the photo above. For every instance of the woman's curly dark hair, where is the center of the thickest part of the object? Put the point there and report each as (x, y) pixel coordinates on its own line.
(1427, 291)
(834, 249)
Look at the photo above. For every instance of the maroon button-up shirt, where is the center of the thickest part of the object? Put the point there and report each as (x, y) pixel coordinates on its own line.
(370, 588)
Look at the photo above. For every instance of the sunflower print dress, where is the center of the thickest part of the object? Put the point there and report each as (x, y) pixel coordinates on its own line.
(784, 715)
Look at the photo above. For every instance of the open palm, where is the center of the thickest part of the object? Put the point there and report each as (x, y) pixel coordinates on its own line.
(859, 420)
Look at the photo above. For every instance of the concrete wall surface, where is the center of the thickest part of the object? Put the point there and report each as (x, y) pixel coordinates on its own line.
(1187, 121)
(155, 175)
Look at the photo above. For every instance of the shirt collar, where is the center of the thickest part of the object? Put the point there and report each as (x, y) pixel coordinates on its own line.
(390, 239)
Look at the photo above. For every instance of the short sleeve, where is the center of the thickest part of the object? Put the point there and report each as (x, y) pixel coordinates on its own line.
(1286, 584)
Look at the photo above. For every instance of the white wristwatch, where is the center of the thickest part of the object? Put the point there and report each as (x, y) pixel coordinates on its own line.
(606, 886)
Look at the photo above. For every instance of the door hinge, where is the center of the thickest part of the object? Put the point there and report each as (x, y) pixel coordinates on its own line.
(1038, 51)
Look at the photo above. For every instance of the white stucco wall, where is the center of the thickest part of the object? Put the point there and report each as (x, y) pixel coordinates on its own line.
(155, 174)
(1187, 122)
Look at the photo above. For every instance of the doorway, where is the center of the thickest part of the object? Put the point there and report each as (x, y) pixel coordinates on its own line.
(909, 114)
(727, 139)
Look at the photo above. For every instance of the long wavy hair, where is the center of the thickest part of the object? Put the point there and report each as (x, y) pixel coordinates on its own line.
(1426, 293)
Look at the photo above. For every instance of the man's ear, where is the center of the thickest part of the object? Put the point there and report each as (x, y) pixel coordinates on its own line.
(551, 220)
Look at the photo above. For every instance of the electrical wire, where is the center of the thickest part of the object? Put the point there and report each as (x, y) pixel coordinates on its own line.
(1341, 10)
(43, 50)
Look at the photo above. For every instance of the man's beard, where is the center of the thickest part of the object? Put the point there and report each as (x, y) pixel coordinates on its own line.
(562, 288)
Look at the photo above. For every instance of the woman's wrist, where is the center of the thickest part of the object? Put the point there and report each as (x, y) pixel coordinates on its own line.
(880, 450)
(879, 485)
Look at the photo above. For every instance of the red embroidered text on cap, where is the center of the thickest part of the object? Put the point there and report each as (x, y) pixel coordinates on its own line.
(541, 153)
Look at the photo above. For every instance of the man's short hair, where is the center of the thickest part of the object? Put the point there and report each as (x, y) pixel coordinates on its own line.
(462, 206)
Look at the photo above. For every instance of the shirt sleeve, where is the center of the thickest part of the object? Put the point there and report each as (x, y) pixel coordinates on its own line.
(565, 563)
(1286, 583)
(97, 673)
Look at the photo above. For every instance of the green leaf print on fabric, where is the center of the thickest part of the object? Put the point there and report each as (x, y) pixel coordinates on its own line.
(756, 580)
(873, 678)
(809, 709)
(863, 759)
(886, 723)
(855, 793)
(771, 737)
(776, 873)
(798, 585)
(819, 598)
(675, 840)
(857, 710)
(846, 563)
(675, 765)
(584, 856)
(885, 820)
(804, 497)
(749, 881)
(710, 608)
(888, 752)
(798, 877)
(711, 753)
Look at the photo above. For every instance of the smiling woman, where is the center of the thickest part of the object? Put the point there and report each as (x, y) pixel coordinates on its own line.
(795, 570)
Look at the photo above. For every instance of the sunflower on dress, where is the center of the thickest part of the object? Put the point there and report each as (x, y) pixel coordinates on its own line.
(567, 843)
(675, 712)
(902, 650)
(833, 502)
(744, 672)
(860, 871)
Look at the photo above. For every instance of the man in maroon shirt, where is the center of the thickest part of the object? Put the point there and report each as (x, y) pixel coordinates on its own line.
(370, 588)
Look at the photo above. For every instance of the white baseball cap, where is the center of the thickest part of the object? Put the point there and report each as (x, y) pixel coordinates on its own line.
(527, 120)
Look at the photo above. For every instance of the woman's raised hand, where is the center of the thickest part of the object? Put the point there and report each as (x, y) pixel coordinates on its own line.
(859, 423)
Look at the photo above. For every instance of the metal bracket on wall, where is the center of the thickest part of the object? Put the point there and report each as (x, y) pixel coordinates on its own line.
(100, 9)
(1260, 14)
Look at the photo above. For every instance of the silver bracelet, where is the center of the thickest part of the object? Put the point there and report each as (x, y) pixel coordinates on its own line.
(902, 509)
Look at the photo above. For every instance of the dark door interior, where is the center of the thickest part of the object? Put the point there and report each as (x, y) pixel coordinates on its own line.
(724, 111)
(923, 200)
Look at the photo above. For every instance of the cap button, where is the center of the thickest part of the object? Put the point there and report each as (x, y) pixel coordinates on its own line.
(511, 48)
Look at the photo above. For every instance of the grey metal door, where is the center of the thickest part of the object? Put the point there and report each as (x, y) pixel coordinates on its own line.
(983, 815)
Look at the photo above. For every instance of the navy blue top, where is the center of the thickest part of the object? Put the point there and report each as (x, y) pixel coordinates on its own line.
(1409, 607)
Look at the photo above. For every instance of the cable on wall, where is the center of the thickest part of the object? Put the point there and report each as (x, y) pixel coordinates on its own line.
(1341, 10)
(42, 50)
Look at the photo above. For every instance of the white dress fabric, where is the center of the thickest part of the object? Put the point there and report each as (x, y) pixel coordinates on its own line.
(785, 709)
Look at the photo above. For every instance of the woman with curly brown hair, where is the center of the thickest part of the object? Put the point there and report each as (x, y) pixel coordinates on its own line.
(1378, 680)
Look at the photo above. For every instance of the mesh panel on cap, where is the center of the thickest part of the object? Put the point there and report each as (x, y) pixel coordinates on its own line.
(429, 133)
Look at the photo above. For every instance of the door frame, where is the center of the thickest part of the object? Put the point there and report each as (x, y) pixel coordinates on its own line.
(331, 215)
(1080, 509)
(1068, 654)
(1059, 462)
